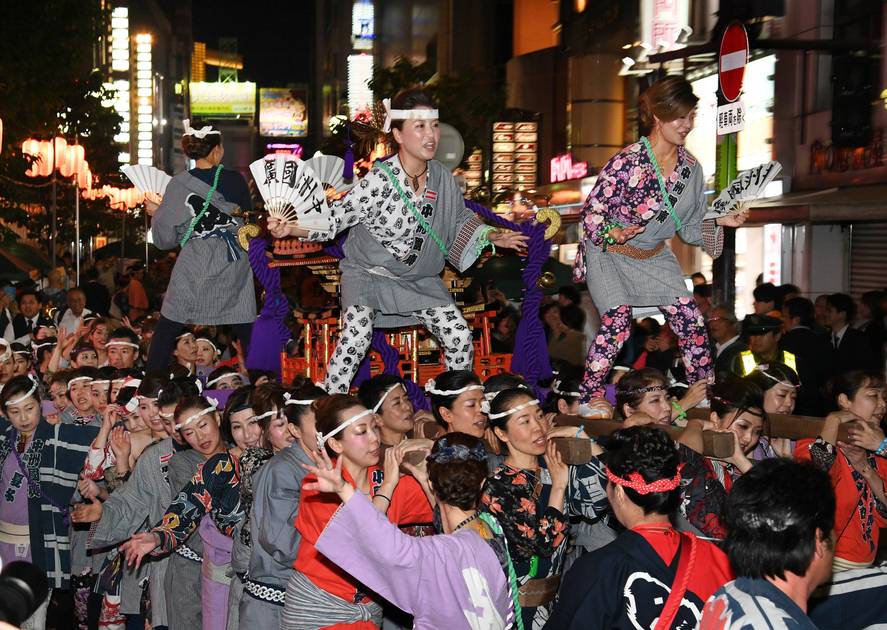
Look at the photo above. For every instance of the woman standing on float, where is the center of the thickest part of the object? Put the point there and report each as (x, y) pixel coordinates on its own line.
(407, 218)
(212, 282)
(647, 193)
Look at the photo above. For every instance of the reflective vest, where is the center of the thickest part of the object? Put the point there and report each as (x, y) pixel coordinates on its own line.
(749, 363)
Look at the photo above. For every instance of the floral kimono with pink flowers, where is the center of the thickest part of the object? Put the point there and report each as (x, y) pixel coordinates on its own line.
(643, 272)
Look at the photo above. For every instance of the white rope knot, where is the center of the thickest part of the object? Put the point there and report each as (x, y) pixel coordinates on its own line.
(405, 114)
(431, 388)
(321, 438)
(508, 412)
(556, 388)
(213, 406)
(27, 394)
(288, 399)
(198, 133)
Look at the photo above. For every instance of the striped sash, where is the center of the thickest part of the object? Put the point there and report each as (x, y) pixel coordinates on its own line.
(307, 607)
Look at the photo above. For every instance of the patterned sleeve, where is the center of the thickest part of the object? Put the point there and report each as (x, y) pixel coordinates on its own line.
(197, 499)
(605, 202)
(510, 500)
(822, 454)
(588, 490)
(352, 208)
(704, 495)
(463, 251)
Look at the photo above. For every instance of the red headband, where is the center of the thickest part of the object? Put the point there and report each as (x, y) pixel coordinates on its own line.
(636, 482)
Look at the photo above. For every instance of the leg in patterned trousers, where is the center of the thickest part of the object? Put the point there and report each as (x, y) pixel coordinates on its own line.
(452, 331)
(685, 319)
(615, 329)
(354, 342)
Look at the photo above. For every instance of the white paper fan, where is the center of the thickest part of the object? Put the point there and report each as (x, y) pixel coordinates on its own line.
(330, 171)
(748, 186)
(148, 179)
(291, 190)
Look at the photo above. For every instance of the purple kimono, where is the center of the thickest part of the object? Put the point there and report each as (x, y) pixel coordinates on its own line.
(449, 581)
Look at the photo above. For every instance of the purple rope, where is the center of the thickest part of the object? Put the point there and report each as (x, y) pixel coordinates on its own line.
(530, 357)
(270, 333)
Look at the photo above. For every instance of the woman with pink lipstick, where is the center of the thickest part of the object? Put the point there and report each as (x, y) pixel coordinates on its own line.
(647, 193)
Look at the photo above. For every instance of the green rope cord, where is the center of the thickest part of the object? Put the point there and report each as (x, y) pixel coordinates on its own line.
(665, 198)
(203, 210)
(412, 208)
(604, 232)
(496, 528)
(483, 241)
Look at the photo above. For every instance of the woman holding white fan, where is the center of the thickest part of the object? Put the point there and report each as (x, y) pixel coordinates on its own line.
(212, 282)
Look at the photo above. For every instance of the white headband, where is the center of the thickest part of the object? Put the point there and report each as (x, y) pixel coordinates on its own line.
(26, 395)
(289, 400)
(197, 133)
(405, 114)
(209, 341)
(122, 342)
(128, 382)
(42, 345)
(763, 367)
(24, 352)
(213, 405)
(101, 382)
(77, 379)
(7, 353)
(321, 438)
(378, 405)
(184, 334)
(221, 376)
(268, 414)
(431, 388)
(521, 407)
(556, 388)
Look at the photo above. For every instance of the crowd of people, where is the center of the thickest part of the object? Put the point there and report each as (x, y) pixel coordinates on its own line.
(160, 483)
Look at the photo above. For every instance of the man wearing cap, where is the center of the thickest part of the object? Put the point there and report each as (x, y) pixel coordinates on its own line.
(764, 333)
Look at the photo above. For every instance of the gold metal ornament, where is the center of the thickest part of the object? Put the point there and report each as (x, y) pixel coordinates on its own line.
(553, 218)
(245, 233)
(546, 280)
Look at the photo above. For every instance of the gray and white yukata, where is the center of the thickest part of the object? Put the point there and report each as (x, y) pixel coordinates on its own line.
(391, 270)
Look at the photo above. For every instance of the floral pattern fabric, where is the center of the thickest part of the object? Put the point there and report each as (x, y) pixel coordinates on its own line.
(214, 490)
(684, 318)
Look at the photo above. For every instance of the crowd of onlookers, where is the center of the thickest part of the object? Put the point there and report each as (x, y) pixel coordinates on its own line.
(192, 479)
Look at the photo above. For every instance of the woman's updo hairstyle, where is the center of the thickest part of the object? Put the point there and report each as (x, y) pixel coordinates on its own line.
(329, 414)
(668, 99)
(302, 388)
(450, 380)
(651, 453)
(190, 403)
(737, 395)
(631, 388)
(764, 376)
(505, 400)
(457, 482)
(198, 148)
(16, 388)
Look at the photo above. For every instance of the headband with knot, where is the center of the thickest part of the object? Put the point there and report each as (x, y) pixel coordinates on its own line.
(26, 395)
(508, 412)
(198, 133)
(321, 438)
(431, 388)
(289, 399)
(636, 482)
(213, 406)
(405, 114)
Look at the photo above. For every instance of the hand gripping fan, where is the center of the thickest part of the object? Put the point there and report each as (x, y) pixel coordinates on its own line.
(330, 171)
(150, 180)
(292, 191)
(748, 186)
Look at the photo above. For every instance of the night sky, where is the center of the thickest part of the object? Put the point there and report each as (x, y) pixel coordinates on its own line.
(273, 36)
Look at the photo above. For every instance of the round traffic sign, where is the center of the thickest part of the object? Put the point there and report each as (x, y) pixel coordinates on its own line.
(732, 57)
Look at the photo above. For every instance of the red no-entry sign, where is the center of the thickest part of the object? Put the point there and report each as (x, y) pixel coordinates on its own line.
(732, 58)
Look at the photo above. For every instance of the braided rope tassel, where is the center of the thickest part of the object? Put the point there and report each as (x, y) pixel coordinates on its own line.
(496, 528)
(203, 210)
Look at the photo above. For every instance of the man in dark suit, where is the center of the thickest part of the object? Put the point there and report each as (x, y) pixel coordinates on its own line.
(29, 320)
(724, 333)
(812, 348)
(853, 350)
